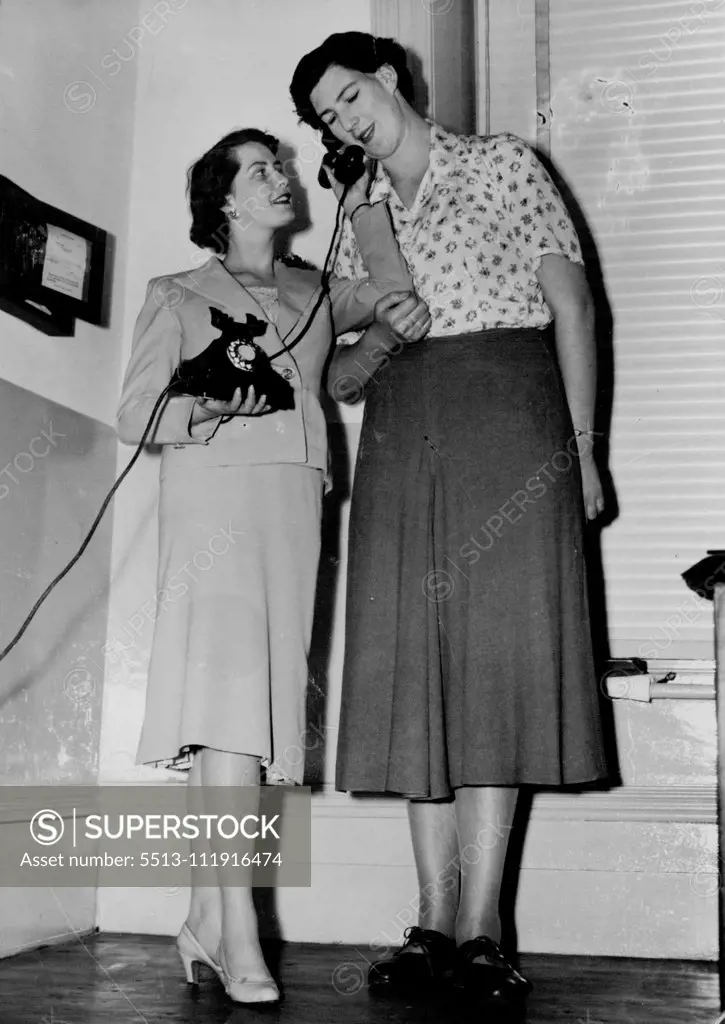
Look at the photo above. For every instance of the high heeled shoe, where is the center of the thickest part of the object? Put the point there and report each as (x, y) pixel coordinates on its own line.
(192, 954)
(247, 990)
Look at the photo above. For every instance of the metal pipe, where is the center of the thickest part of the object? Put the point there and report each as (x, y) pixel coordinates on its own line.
(681, 691)
(643, 688)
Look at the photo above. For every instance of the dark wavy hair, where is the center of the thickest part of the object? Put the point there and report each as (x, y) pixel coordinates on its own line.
(209, 182)
(356, 51)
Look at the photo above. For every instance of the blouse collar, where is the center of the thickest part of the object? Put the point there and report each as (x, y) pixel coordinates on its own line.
(441, 165)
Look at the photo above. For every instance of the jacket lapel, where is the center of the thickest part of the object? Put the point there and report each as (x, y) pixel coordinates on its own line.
(297, 293)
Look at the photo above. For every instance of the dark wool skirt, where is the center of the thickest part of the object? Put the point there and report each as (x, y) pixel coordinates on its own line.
(468, 657)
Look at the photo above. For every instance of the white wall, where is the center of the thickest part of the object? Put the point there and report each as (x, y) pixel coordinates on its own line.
(72, 151)
(69, 145)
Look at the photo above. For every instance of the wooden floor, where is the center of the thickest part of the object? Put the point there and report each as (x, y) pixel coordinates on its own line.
(107, 979)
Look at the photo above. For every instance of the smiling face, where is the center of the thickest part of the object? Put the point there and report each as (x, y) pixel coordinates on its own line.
(361, 109)
(260, 191)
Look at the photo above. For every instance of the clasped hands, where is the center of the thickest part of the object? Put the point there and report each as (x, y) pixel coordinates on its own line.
(405, 315)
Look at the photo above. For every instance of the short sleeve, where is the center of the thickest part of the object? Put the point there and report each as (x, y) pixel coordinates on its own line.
(536, 212)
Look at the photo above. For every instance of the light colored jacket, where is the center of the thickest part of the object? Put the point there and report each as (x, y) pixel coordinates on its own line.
(175, 324)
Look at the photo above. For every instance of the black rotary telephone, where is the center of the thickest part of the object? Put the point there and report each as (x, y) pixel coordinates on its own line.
(233, 360)
(347, 165)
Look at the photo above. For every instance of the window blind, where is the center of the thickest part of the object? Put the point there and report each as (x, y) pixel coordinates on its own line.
(638, 132)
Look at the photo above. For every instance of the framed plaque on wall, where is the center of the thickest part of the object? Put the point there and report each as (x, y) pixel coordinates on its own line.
(52, 265)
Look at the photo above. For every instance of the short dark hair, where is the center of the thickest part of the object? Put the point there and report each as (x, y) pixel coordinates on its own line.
(209, 181)
(356, 51)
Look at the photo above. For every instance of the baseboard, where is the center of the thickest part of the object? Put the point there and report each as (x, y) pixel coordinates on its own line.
(695, 804)
(52, 940)
(31, 917)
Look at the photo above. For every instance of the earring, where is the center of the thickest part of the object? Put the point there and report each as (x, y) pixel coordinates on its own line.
(234, 214)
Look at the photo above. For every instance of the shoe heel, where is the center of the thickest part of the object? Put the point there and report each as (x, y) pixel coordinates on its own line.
(193, 955)
(191, 967)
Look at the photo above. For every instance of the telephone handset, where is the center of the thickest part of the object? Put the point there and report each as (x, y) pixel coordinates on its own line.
(347, 166)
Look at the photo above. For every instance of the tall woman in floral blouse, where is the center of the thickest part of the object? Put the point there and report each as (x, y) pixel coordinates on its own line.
(468, 665)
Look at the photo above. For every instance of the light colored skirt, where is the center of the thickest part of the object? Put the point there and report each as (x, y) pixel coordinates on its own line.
(238, 556)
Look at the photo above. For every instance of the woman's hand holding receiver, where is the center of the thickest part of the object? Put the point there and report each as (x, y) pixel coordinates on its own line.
(357, 193)
(404, 314)
(211, 408)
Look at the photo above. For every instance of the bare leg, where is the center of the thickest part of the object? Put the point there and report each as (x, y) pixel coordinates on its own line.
(484, 815)
(239, 934)
(205, 908)
(435, 846)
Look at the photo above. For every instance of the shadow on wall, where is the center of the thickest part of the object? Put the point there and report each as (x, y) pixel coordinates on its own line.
(421, 92)
(57, 466)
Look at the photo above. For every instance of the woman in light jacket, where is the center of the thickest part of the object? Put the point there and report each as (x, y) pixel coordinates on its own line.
(240, 502)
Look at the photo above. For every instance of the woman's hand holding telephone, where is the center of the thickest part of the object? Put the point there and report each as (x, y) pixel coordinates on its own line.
(356, 193)
(346, 171)
(211, 408)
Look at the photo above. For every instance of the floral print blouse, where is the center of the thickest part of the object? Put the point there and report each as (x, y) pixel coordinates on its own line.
(485, 213)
